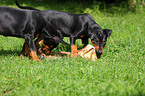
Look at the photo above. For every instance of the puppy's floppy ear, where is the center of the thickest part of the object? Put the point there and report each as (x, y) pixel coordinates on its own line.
(107, 32)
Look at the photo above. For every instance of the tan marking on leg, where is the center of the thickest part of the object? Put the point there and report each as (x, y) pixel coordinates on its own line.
(30, 54)
(73, 50)
(34, 56)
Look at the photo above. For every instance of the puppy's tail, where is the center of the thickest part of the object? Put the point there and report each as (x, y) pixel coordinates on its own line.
(25, 7)
(59, 40)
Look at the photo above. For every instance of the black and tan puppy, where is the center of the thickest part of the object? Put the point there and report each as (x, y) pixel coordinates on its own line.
(76, 26)
(26, 24)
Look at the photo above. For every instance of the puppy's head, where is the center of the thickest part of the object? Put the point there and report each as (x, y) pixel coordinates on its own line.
(99, 40)
(48, 46)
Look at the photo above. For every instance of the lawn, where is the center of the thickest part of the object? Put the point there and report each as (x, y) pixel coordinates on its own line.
(120, 70)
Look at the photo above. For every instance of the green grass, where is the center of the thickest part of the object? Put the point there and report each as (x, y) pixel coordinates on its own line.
(120, 70)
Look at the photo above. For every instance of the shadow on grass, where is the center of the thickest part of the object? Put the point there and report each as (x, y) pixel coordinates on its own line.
(9, 52)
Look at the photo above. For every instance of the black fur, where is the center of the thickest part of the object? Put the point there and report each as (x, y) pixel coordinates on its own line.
(26, 24)
(76, 26)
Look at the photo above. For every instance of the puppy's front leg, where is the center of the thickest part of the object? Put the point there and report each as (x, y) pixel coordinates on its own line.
(84, 41)
(73, 47)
